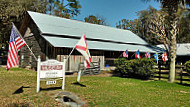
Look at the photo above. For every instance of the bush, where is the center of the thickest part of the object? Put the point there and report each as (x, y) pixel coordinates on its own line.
(136, 68)
(188, 66)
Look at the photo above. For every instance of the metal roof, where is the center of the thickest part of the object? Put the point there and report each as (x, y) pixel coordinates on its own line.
(183, 49)
(102, 37)
(62, 26)
(70, 42)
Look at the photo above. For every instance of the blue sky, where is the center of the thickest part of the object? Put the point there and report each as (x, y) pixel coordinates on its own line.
(114, 10)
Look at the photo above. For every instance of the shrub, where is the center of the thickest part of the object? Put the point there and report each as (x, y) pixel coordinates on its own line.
(122, 66)
(188, 66)
(136, 68)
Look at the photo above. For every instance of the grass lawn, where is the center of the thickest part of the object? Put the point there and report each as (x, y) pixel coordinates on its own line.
(99, 91)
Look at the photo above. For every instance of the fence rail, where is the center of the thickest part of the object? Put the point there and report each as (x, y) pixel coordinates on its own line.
(93, 70)
(181, 73)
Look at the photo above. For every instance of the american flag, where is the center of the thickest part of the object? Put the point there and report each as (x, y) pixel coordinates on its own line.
(14, 45)
(125, 54)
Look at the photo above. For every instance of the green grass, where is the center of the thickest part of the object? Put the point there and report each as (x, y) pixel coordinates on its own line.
(99, 91)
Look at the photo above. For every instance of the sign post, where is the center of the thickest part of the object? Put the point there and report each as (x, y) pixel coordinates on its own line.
(63, 82)
(38, 75)
(79, 75)
(50, 71)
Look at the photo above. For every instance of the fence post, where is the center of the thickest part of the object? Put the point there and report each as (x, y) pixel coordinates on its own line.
(159, 67)
(99, 65)
(181, 74)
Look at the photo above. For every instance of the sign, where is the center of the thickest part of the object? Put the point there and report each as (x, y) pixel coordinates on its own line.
(51, 82)
(50, 70)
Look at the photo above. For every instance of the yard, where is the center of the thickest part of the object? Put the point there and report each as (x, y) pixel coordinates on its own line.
(97, 91)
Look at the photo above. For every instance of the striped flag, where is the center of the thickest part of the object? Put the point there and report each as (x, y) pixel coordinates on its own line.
(81, 46)
(14, 45)
(147, 55)
(137, 55)
(125, 54)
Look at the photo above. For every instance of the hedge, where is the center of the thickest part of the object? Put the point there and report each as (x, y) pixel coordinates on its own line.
(136, 68)
(188, 66)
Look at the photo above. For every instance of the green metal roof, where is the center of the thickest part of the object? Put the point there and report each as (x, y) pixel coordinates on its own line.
(182, 49)
(69, 42)
(117, 39)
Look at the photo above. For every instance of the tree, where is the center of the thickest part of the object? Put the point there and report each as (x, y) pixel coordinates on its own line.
(144, 17)
(63, 8)
(162, 26)
(184, 28)
(140, 26)
(143, 27)
(133, 25)
(172, 14)
(96, 20)
(15, 10)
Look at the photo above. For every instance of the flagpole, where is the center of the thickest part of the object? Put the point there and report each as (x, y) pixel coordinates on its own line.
(71, 51)
(132, 55)
(25, 42)
(70, 54)
(121, 54)
(144, 55)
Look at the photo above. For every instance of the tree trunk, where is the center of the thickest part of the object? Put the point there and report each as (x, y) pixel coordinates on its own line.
(172, 52)
(172, 68)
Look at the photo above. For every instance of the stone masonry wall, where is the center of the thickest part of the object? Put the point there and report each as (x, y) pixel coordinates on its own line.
(36, 43)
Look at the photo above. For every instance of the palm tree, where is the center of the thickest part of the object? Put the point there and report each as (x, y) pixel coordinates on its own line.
(172, 8)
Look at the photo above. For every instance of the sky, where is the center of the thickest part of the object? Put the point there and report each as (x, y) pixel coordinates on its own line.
(114, 10)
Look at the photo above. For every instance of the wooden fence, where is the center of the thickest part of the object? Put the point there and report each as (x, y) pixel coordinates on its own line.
(181, 73)
(93, 70)
(72, 64)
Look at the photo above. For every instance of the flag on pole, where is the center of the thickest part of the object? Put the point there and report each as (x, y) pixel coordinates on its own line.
(147, 55)
(81, 46)
(137, 55)
(164, 57)
(125, 54)
(16, 42)
(156, 56)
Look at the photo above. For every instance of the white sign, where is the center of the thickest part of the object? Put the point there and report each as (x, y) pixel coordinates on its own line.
(51, 69)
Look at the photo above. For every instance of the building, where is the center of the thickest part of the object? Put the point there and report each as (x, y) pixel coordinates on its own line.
(53, 37)
(182, 52)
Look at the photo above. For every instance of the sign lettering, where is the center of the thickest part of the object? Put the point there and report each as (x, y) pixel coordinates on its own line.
(51, 67)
